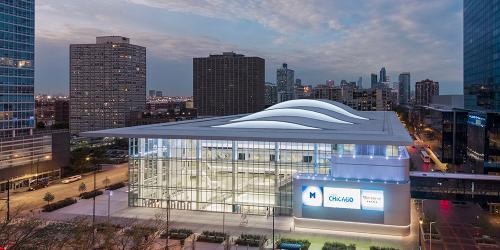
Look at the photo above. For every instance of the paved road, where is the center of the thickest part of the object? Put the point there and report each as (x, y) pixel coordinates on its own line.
(25, 201)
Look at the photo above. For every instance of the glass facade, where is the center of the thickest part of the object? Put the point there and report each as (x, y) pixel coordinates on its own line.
(483, 145)
(17, 23)
(482, 54)
(234, 176)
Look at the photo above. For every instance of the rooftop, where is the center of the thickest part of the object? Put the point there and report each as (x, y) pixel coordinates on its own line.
(303, 120)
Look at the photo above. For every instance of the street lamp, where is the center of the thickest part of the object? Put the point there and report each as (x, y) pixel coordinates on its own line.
(420, 222)
(94, 191)
(430, 234)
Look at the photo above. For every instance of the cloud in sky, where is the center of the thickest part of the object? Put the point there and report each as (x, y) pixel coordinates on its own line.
(319, 39)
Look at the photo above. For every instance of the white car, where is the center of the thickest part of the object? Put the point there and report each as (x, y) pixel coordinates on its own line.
(71, 179)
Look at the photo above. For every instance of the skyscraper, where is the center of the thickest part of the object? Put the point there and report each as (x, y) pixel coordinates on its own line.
(285, 83)
(228, 84)
(360, 82)
(107, 83)
(404, 88)
(25, 154)
(383, 75)
(482, 55)
(374, 81)
(271, 94)
(424, 91)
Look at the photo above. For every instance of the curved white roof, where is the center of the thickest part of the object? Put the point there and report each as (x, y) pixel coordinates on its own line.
(295, 112)
(316, 104)
(297, 120)
(264, 124)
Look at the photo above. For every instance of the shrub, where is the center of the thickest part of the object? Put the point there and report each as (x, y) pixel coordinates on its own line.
(177, 234)
(116, 186)
(382, 248)
(305, 244)
(60, 204)
(91, 194)
(212, 236)
(250, 240)
(338, 246)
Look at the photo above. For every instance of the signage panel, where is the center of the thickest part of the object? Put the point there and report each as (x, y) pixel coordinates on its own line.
(372, 200)
(341, 198)
(312, 196)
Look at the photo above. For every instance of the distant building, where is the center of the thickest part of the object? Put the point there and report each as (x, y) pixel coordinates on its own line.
(404, 88)
(152, 93)
(360, 82)
(228, 84)
(330, 82)
(374, 81)
(285, 83)
(383, 75)
(328, 92)
(424, 91)
(52, 110)
(271, 94)
(481, 55)
(107, 83)
(298, 81)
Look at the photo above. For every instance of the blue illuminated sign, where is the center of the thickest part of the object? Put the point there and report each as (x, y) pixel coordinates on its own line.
(476, 120)
(312, 196)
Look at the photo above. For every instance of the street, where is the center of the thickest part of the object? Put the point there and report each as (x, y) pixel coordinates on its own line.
(28, 200)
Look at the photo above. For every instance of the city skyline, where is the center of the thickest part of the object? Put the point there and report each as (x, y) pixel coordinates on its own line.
(320, 41)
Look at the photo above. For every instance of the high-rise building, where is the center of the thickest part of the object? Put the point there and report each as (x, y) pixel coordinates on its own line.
(482, 55)
(159, 93)
(107, 83)
(383, 75)
(285, 83)
(298, 81)
(404, 88)
(152, 93)
(271, 94)
(360, 82)
(328, 92)
(374, 81)
(228, 84)
(330, 82)
(424, 91)
(27, 156)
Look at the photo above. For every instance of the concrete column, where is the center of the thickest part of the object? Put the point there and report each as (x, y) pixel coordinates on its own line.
(234, 159)
(198, 173)
(159, 167)
(316, 159)
(276, 174)
(142, 164)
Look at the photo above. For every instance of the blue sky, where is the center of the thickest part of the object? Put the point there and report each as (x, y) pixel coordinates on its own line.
(321, 40)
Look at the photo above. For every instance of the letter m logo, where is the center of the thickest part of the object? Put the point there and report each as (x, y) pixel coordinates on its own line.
(312, 195)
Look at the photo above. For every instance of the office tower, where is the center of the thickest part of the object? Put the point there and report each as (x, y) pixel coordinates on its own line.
(26, 156)
(298, 81)
(271, 94)
(374, 81)
(404, 88)
(383, 75)
(360, 82)
(330, 82)
(482, 55)
(107, 83)
(424, 91)
(159, 93)
(152, 93)
(228, 84)
(284, 81)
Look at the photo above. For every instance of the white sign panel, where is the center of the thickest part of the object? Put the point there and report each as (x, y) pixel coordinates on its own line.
(312, 196)
(341, 198)
(372, 200)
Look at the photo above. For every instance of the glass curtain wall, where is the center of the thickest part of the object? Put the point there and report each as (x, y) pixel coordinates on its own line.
(233, 176)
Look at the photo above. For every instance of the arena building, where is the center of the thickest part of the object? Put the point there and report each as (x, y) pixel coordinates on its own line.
(322, 163)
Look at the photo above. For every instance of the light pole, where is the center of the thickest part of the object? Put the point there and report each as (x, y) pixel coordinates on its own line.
(94, 191)
(224, 222)
(110, 193)
(420, 222)
(430, 234)
(273, 226)
(168, 218)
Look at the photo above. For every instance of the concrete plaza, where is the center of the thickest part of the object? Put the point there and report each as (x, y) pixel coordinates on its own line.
(199, 221)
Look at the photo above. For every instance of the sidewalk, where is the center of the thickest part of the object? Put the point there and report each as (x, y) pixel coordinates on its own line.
(199, 221)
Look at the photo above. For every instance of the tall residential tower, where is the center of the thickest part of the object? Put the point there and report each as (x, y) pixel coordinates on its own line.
(285, 83)
(228, 84)
(107, 84)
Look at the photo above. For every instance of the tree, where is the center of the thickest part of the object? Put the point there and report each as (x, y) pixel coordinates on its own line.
(106, 182)
(82, 188)
(49, 197)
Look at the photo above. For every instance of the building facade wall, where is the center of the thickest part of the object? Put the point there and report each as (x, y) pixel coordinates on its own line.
(107, 84)
(17, 67)
(246, 176)
(228, 84)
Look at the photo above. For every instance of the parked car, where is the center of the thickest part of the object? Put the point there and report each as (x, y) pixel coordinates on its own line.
(71, 179)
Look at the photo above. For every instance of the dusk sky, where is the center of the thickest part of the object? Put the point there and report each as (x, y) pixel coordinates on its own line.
(320, 40)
